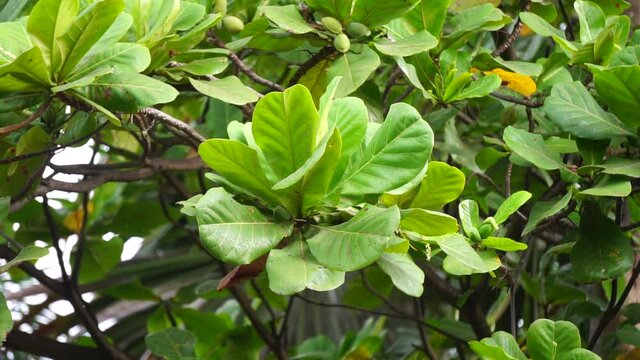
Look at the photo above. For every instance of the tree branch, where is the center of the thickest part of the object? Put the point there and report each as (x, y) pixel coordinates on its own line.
(41, 346)
(5, 130)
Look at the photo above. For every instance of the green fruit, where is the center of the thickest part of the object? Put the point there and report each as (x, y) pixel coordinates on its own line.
(220, 7)
(356, 29)
(232, 24)
(342, 43)
(331, 24)
(486, 230)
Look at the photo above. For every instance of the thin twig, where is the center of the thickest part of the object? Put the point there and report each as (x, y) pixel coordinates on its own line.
(172, 122)
(517, 100)
(240, 65)
(514, 34)
(5, 130)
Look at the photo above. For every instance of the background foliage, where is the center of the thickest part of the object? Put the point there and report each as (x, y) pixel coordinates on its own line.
(325, 179)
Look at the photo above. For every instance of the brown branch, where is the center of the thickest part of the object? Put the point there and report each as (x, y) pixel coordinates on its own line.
(238, 63)
(326, 52)
(5, 130)
(514, 33)
(41, 346)
(172, 122)
(517, 100)
(51, 284)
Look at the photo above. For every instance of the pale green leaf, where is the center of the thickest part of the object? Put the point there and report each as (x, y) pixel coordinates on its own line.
(427, 222)
(288, 18)
(511, 205)
(532, 148)
(442, 184)
(29, 253)
(354, 68)
(414, 44)
(356, 243)
(233, 232)
(404, 273)
(122, 57)
(48, 21)
(229, 89)
(504, 244)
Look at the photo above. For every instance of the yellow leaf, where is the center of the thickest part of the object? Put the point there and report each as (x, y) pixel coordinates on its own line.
(74, 220)
(519, 83)
(525, 31)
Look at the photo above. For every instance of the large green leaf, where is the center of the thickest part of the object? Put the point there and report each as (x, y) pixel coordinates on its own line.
(351, 117)
(503, 244)
(358, 242)
(27, 72)
(85, 32)
(99, 258)
(340, 9)
(375, 12)
(620, 166)
(404, 273)
(542, 210)
(591, 19)
(121, 57)
(442, 184)
(548, 340)
(229, 89)
(293, 269)
(456, 246)
(411, 45)
(613, 186)
(458, 266)
(128, 92)
(572, 108)
(602, 251)
(511, 205)
(429, 15)
(172, 344)
(532, 148)
(48, 21)
(233, 232)
(500, 346)
(317, 180)
(403, 143)
(13, 41)
(284, 127)
(619, 88)
(427, 222)
(355, 69)
(239, 164)
(6, 321)
(288, 18)
(469, 217)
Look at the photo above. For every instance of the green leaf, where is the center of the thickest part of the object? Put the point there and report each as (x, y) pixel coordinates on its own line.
(427, 222)
(457, 266)
(504, 244)
(317, 180)
(85, 32)
(404, 273)
(338, 9)
(627, 56)
(351, 117)
(540, 26)
(48, 21)
(358, 242)
(572, 108)
(355, 69)
(99, 258)
(429, 15)
(13, 41)
(411, 45)
(233, 232)
(620, 166)
(456, 246)
(532, 148)
(27, 254)
(128, 92)
(591, 18)
(5, 205)
(374, 12)
(27, 72)
(619, 88)
(6, 321)
(293, 269)
(542, 210)
(477, 88)
(284, 127)
(239, 164)
(287, 18)
(602, 251)
(548, 340)
(172, 344)
(500, 346)
(469, 217)
(511, 205)
(122, 57)
(442, 184)
(403, 143)
(614, 186)
(229, 89)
